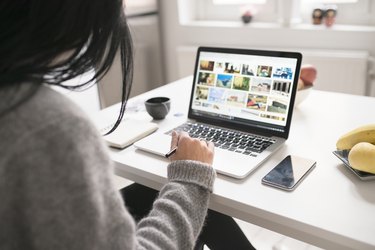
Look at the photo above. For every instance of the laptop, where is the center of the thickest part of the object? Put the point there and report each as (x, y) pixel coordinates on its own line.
(242, 100)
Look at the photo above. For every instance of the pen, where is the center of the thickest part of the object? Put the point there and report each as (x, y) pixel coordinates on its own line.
(173, 150)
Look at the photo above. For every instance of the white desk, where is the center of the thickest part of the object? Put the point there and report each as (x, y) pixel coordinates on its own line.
(331, 208)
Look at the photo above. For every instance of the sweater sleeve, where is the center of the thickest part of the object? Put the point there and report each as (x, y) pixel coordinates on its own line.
(61, 196)
(178, 213)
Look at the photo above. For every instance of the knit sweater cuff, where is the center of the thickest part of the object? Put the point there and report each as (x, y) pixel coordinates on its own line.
(192, 172)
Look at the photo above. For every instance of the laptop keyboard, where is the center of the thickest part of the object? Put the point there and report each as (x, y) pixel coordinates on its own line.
(231, 140)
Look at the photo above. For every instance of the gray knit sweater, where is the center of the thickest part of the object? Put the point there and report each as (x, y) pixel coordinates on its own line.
(57, 191)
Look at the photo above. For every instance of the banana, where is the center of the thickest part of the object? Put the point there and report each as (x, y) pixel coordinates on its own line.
(362, 157)
(361, 134)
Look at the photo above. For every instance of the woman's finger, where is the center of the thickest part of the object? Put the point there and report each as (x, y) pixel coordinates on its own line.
(174, 140)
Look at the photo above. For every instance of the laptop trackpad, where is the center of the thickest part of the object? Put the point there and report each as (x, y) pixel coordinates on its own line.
(234, 164)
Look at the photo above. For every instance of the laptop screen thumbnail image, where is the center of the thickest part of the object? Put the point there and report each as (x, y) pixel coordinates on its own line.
(251, 88)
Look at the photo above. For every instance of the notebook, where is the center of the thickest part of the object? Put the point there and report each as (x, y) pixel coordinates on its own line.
(128, 132)
(247, 95)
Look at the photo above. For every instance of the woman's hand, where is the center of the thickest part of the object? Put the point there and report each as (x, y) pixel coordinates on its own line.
(191, 148)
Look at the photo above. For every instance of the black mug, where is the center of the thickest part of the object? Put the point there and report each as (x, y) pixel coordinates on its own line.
(158, 107)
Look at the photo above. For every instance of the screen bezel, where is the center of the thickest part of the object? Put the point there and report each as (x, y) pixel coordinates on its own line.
(258, 127)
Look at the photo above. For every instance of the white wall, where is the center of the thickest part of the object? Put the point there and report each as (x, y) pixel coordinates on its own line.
(87, 99)
(148, 66)
(180, 30)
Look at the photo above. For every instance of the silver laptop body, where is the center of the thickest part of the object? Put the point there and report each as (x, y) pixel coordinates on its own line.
(246, 93)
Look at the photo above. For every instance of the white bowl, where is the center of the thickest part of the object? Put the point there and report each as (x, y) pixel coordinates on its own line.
(302, 95)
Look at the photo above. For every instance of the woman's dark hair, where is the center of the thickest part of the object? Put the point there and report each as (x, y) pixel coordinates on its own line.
(50, 42)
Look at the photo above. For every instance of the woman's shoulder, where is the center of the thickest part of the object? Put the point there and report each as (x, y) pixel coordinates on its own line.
(48, 115)
(55, 105)
(57, 112)
(52, 130)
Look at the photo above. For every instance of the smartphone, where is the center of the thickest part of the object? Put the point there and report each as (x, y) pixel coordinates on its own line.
(289, 172)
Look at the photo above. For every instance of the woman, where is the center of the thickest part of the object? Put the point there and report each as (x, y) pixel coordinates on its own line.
(56, 185)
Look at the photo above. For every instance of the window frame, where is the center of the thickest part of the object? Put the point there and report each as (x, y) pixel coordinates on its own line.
(361, 12)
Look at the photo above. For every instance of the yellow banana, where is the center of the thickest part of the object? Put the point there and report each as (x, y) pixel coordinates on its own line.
(361, 134)
(362, 157)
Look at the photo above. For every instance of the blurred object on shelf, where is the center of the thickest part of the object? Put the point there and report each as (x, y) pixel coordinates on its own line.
(324, 14)
(246, 17)
(305, 82)
(307, 76)
(247, 13)
(317, 15)
(330, 15)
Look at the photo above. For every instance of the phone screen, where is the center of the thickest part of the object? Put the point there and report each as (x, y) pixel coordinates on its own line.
(289, 172)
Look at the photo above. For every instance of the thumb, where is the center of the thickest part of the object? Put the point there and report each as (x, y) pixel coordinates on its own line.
(174, 141)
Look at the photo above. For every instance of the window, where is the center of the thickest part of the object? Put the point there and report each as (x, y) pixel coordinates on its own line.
(349, 12)
(231, 10)
(233, 2)
(139, 7)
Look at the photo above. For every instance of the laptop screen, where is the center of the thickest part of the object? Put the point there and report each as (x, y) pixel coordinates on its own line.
(248, 89)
